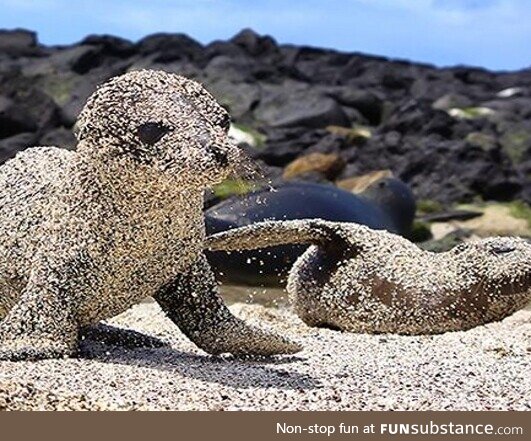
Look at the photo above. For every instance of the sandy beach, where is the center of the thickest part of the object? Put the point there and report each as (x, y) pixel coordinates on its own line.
(156, 367)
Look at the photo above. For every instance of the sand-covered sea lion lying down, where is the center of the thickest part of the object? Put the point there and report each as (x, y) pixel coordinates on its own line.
(361, 280)
(84, 235)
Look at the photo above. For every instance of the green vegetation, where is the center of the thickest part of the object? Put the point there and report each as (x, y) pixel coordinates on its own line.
(481, 140)
(515, 143)
(231, 187)
(420, 232)
(59, 88)
(428, 206)
(520, 210)
(259, 138)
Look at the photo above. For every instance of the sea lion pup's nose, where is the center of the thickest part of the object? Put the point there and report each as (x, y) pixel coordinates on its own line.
(220, 155)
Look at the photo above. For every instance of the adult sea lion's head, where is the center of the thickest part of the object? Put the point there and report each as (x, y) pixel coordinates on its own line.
(394, 197)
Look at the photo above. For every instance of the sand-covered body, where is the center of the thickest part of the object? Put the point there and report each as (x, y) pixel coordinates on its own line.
(85, 235)
(386, 204)
(361, 280)
(130, 251)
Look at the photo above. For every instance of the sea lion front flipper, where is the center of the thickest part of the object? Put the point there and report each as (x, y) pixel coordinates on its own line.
(274, 233)
(192, 302)
(40, 326)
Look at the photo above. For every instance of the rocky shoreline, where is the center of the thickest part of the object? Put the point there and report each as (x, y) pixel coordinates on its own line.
(455, 134)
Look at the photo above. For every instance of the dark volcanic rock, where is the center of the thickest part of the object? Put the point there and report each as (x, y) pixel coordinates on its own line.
(79, 59)
(227, 68)
(24, 106)
(60, 137)
(329, 143)
(418, 118)
(14, 119)
(299, 108)
(283, 146)
(454, 134)
(18, 43)
(75, 102)
(225, 48)
(366, 102)
(9, 147)
(170, 47)
(238, 98)
(110, 45)
(254, 44)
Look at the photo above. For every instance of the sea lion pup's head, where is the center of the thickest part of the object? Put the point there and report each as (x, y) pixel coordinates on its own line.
(498, 262)
(161, 122)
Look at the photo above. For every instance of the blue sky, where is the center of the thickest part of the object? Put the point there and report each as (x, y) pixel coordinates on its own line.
(491, 33)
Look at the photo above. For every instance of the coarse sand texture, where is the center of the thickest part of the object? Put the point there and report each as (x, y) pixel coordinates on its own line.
(485, 368)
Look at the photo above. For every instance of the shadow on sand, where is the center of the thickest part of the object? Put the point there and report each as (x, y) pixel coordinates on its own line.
(123, 346)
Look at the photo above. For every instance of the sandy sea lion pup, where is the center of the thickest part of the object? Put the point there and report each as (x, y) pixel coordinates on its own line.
(361, 280)
(386, 204)
(87, 234)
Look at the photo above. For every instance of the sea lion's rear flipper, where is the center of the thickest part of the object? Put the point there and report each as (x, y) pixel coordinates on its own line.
(274, 233)
(192, 302)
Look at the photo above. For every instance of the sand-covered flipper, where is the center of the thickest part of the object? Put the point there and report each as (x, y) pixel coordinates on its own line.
(192, 302)
(273, 233)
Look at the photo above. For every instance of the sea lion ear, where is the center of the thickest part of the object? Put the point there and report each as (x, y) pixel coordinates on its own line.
(76, 130)
(224, 122)
(80, 130)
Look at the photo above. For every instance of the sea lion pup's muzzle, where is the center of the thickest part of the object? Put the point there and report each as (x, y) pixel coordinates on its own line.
(229, 156)
(220, 156)
(235, 163)
(501, 264)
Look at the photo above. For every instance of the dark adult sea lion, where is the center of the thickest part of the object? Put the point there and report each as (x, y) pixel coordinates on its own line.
(361, 280)
(387, 204)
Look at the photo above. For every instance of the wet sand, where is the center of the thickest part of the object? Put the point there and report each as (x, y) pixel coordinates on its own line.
(485, 368)
(269, 297)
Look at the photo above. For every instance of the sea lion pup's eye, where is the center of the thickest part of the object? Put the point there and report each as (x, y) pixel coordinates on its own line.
(149, 133)
(502, 249)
